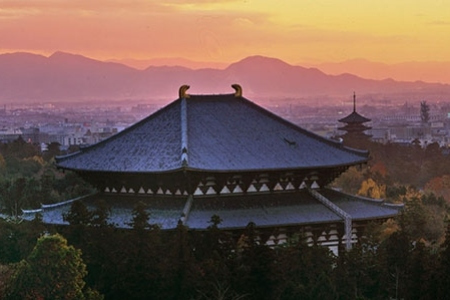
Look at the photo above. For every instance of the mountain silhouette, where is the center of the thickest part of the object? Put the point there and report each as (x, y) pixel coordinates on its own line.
(407, 71)
(67, 77)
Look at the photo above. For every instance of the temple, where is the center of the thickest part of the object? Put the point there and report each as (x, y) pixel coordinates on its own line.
(223, 155)
(354, 128)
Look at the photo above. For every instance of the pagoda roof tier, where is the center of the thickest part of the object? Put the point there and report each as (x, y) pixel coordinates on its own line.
(354, 127)
(212, 133)
(277, 209)
(354, 117)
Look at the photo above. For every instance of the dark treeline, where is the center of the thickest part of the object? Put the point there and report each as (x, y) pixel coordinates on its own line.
(28, 178)
(404, 259)
(148, 263)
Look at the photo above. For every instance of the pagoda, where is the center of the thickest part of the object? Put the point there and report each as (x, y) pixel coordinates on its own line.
(354, 127)
(223, 155)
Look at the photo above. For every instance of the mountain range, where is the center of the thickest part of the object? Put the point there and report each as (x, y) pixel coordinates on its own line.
(26, 77)
(142, 64)
(431, 71)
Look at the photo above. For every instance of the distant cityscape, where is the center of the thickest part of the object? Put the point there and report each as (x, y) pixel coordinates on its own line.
(88, 123)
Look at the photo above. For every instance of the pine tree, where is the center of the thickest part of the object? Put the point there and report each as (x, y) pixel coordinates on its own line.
(424, 112)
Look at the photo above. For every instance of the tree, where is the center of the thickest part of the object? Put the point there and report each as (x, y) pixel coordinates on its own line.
(140, 217)
(350, 181)
(2, 162)
(100, 214)
(78, 214)
(53, 149)
(302, 271)
(443, 272)
(440, 186)
(424, 112)
(53, 270)
(369, 188)
(255, 266)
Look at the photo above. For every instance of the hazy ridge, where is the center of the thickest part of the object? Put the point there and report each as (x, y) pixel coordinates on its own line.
(431, 71)
(28, 77)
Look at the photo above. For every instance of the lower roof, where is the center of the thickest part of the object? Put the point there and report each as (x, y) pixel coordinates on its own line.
(236, 211)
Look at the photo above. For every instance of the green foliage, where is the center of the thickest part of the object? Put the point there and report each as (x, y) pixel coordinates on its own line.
(422, 218)
(100, 214)
(18, 149)
(183, 264)
(27, 179)
(53, 270)
(443, 269)
(407, 261)
(140, 217)
(29, 192)
(78, 214)
(305, 271)
(255, 272)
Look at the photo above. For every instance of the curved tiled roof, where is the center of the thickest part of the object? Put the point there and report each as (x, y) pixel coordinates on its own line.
(236, 211)
(354, 117)
(212, 133)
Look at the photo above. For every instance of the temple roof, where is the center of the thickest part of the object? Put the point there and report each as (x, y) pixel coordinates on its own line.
(218, 133)
(269, 210)
(354, 117)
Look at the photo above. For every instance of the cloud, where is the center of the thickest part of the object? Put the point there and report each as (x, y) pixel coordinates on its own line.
(219, 30)
(48, 7)
(439, 23)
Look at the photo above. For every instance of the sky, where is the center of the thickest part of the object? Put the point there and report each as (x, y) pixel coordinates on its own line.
(295, 31)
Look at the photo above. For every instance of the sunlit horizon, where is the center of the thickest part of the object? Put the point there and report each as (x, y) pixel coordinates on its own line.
(226, 31)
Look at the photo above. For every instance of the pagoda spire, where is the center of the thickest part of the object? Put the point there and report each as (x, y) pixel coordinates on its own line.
(354, 128)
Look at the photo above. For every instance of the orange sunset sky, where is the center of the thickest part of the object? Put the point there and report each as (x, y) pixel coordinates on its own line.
(295, 31)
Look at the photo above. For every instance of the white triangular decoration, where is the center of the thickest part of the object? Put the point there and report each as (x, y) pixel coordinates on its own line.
(160, 191)
(123, 190)
(237, 189)
(131, 191)
(178, 192)
(198, 191)
(251, 189)
(149, 191)
(315, 185)
(168, 192)
(264, 188)
(225, 190)
(210, 191)
(113, 190)
(303, 185)
(107, 190)
(278, 187)
(289, 186)
(141, 190)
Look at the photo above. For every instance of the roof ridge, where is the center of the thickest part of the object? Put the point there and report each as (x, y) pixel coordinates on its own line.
(184, 135)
